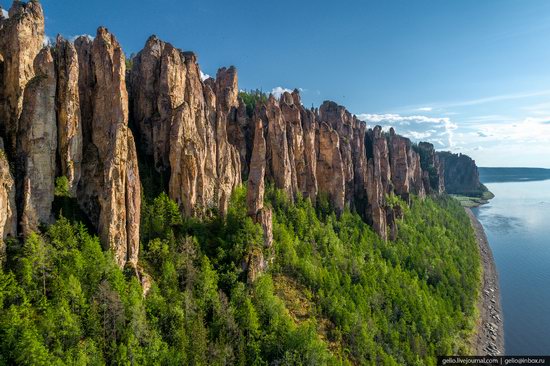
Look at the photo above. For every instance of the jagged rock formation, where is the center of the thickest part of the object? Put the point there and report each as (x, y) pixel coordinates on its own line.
(433, 176)
(37, 145)
(182, 124)
(109, 191)
(66, 111)
(460, 174)
(255, 201)
(8, 214)
(378, 179)
(69, 126)
(405, 167)
(330, 167)
(21, 39)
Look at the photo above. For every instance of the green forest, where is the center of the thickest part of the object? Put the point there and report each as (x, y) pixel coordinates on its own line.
(334, 293)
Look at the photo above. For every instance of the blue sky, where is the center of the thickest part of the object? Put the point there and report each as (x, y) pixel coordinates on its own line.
(470, 75)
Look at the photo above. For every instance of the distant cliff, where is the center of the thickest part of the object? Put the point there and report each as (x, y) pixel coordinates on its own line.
(66, 110)
(461, 174)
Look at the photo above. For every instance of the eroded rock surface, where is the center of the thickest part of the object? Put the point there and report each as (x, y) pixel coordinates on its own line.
(69, 126)
(461, 174)
(8, 212)
(21, 39)
(110, 187)
(200, 136)
(37, 145)
(433, 175)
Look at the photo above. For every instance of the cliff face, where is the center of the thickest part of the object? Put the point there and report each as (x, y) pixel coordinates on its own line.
(8, 214)
(66, 110)
(111, 195)
(37, 145)
(69, 125)
(432, 169)
(460, 174)
(182, 125)
(21, 39)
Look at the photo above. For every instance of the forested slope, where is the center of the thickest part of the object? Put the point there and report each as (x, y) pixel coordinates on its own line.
(335, 292)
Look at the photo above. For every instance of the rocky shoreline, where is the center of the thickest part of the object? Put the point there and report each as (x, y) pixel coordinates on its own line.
(489, 337)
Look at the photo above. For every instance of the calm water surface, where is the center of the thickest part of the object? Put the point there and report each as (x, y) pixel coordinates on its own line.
(517, 223)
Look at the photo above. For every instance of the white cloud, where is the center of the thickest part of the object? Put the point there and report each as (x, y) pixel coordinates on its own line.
(5, 13)
(47, 41)
(204, 76)
(494, 98)
(425, 109)
(73, 38)
(278, 91)
(437, 130)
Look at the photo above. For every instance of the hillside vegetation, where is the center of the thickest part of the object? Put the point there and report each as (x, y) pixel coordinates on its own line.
(334, 294)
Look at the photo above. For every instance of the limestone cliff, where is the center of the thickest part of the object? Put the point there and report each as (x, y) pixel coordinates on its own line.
(21, 39)
(460, 174)
(69, 126)
(110, 150)
(8, 213)
(433, 176)
(66, 111)
(181, 123)
(37, 145)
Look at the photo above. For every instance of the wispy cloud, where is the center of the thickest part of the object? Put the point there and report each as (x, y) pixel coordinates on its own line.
(204, 76)
(279, 90)
(437, 130)
(73, 38)
(496, 98)
(446, 108)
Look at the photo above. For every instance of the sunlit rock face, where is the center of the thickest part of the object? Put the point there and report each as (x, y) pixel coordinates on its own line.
(37, 145)
(69, 125)
(109, 190)
(66, 110)
(21, 39)
(181, 123)
(432, 169)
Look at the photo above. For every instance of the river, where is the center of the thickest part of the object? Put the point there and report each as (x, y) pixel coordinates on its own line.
(517, 224)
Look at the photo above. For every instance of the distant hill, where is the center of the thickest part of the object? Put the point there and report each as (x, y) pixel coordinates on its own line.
(495, 175)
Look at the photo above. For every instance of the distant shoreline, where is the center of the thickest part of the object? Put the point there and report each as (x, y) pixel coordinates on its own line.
(488, 339)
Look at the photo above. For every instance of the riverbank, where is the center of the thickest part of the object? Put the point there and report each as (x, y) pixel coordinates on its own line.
(489, 336)
(474, 201)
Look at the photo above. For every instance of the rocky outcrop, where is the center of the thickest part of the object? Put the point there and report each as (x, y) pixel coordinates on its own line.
(279, 168)
(255, 204)
(83, 46)
(228, 163)
(67, 112)
(256, 184)
(182, 123)
(406, 171)
(8, 213)
(460, 174)
(37, 145)
(331, 177)
(157, 81)
(434, 181)
(69, 126)
(291, 112)
(378, 179)
(21, 39)
(133, 203)
(204, 168)
(109, 191)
